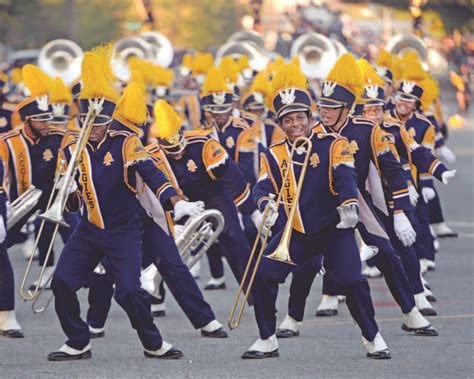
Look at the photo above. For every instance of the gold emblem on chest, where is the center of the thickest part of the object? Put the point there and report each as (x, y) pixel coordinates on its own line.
(47, 155)
(314, 160)
(3, 122)
(230, 142)
(412, 132)
(191, 165)
(108, 159)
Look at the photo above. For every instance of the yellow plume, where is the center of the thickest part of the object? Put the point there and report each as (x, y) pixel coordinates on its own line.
(17, 76)
(430, 92)
(187, 60)
(214, 82)
(202, 63)
(346, 73)
(397, 68)
(260, 84)
(105, 52)
(413, 70)
(59, 92)
(384, 59)
(243, 62)
(368, 73)
(37, 81)
(296, 61)
(288, 76)
(131, 105)
(162, 76)
(457, 81)
(229, 69)
(167, 122)
(94, 82)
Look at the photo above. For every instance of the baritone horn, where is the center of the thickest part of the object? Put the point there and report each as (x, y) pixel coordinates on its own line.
(301, 145)
(57, 201)
(22, 205)
(61, 57)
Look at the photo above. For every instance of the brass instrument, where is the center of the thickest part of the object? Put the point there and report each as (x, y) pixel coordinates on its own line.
(162, 47)
(317, 54)
(199, 233)
(55, 208)
(22, 205)
(301, 145)
(366, 252)
(126, 48)
(61, 57)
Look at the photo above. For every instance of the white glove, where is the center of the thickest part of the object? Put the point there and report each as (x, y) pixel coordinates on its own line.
(186, 208)
(413, 194)
(349, 216)
(445, 154)
(257, 218)
(448, 175)
(3, 230)
(428, 194)
(403, 229)
(72, 186)
(272, 216)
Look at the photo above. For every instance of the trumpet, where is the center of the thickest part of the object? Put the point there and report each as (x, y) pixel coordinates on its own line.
(282, 252)
(22, 205)
(55, 208)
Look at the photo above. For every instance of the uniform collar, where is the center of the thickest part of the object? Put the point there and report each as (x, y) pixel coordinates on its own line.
(227, 124)
(100, 142)
(340, 129)
(32, 141)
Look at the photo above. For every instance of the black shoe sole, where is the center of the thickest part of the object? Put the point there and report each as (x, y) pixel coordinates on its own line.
(327, 313)
(431, 298)
(215, 287)
(273, 354)
(220, 333)
(449, 235)
(428, 331)
(158, 314)
(428, 312)
(86, 355)
(97, 335)
(380, 355)
(286, 333)
(13, 334)
(171, 354)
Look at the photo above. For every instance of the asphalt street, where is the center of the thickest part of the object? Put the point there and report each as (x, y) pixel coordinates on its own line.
(327, 347)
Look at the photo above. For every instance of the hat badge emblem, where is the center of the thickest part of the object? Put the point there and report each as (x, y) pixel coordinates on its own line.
(258, 96)
(407, 87)
(288, 96)
(58, 109)
(42, 103)
(372, 91)
(218, 98)
(328, 88)
(381, 71)
(96, 104)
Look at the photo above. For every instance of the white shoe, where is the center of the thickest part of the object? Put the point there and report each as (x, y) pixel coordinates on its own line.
(328, 306)
(166, 351)
(71, 351)
(443, 230)
(414, 319)
(196, 269)
(212, 326)
(423, 266)
(341, 299)
(158, 310)
(430, 265)
(268, 347)
(8, 321)
(424, 306)
(371, 272)
(45, 280)
(376, 349)
(215, 284)
(27, 247)
(289, 327)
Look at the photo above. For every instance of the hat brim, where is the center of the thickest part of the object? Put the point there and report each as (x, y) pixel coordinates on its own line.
(218, 108)
(408, 98)
(100, 120)
(329, 103)
(41, 117)
(292, 109)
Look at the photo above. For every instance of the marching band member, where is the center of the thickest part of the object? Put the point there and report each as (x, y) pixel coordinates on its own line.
(30, 156)
(158, 248)
(110, 226)
(325, 218)
(407, 103)
(204, 172)
(60, 98)
(9, 326)
(374, 160)
(6, 108)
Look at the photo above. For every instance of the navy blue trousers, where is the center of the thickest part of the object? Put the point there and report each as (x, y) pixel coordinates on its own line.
(160, 249)
(424, 245)
(7, 284)
(232, 242)
(83, 251)
(341, 259)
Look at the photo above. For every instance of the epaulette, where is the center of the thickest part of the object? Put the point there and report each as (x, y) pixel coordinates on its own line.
(116, 133)
(250, 116)
(239, 122)
(420, 116)
(196, 133)
(361, 120)
(9, 134)
(276, 144)
(388, 120)
(53, 130)
(152, 147)
(190, 140)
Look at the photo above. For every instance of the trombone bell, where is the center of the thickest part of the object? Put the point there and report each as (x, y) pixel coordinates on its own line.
(281, 254)
(55, 215)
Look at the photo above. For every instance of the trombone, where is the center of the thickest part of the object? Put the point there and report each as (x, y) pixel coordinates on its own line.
(301, 145)
(55, 209)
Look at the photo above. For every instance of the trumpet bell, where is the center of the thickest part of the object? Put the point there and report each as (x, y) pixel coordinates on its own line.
(366, 252)
(55, 215)
(61, 57)
(317, 54)
(162, 48)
